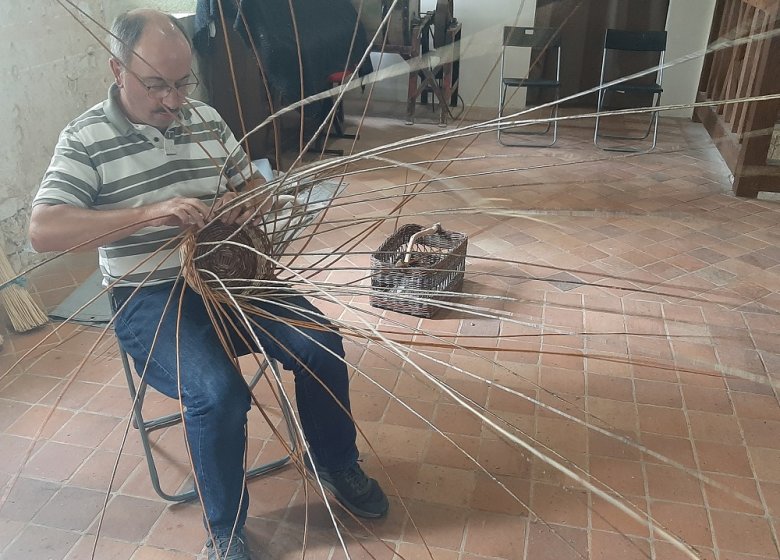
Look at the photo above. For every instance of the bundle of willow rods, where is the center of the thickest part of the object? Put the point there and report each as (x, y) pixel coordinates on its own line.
(22, 309)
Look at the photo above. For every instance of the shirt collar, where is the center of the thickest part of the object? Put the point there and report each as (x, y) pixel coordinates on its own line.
(113, 110)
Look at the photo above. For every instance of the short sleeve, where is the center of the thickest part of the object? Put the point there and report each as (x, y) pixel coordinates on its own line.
(71, 177)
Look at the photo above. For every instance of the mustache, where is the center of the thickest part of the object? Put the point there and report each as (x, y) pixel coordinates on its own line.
(174, 114)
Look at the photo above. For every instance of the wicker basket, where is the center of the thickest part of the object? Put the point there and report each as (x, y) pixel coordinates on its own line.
(240, 265)
(414, 268)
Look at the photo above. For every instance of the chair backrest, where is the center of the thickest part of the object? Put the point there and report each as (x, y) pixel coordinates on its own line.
(640, 41)
(545, 40)
(632, 52)
(534, 37)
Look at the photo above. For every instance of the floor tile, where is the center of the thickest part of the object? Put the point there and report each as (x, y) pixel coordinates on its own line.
(130, 519)
(26, 498)
(60, 513)
(41, 543)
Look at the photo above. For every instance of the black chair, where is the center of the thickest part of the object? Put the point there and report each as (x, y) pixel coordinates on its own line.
(145, 427)
(518, 40)
(617, 43)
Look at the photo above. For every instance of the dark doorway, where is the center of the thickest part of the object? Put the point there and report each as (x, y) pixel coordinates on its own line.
(583, 24)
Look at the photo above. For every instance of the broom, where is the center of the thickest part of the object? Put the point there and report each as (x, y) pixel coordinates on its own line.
(24, 313)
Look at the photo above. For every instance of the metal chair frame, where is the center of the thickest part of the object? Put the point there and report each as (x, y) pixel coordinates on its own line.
(529, 37)
(145, 427)
(634, 41)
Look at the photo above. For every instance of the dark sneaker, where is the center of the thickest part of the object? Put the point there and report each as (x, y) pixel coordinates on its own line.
(238, 550)
(358, 493)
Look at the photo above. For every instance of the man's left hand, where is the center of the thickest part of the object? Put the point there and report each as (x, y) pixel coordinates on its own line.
(241, 213)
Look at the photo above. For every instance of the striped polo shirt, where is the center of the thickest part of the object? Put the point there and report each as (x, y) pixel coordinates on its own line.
(103, 161)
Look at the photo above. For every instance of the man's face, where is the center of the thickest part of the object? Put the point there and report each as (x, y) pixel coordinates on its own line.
(160, 61)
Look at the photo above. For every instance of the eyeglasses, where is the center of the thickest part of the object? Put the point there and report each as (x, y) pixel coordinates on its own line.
(161, 91)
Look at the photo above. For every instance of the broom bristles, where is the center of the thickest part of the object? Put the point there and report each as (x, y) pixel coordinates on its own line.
(22, 309)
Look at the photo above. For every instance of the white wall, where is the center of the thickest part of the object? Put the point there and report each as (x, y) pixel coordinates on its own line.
(688, 25)
(115, 7)
(51, 70)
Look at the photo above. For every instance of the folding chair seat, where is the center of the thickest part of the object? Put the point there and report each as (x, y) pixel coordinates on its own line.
(517, 40)
(618, 44)
(146, 426)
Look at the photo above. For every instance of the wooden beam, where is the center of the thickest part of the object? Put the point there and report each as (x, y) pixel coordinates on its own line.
(720, 132)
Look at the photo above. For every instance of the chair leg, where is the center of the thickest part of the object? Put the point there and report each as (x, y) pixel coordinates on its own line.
(145, 427)
(655, 130)
(501, 96)
(337, 130)
(319, 146)
(552, 123)
(599, 101)
(652, 126)
(287, 414)
(339, 124)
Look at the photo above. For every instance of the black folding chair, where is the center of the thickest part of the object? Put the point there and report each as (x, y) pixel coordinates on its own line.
(145, 427)
(617, 41)
(516, 41)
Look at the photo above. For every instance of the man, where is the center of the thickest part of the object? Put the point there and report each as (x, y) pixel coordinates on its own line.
(127, 176)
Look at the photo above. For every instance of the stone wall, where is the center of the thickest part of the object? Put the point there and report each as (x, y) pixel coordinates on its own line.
(52, 70)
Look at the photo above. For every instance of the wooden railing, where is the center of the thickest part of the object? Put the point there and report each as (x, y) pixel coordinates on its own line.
(748, 68)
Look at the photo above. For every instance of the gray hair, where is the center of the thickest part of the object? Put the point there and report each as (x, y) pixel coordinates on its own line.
(127, 30)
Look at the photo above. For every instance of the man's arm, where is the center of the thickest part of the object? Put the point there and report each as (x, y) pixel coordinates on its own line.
(59, 227)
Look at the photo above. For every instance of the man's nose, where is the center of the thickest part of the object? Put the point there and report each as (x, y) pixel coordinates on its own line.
(172, 107)
(173, 100)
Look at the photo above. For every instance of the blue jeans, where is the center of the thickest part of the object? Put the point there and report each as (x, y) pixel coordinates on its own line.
(216, 398)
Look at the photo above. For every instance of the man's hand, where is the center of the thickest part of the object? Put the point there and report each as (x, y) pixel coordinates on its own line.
(242, 212)
(179, 211)
(232, 215)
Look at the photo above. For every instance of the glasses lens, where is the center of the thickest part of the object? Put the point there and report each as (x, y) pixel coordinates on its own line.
(159, 92)
(186, 89)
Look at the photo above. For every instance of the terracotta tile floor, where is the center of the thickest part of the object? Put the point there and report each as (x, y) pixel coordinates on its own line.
(639, 351)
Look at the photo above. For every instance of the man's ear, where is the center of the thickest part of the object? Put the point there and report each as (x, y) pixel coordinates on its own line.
(117, 70)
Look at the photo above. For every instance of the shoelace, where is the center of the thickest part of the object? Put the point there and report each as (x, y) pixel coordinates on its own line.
(237, 546)
(355, 478)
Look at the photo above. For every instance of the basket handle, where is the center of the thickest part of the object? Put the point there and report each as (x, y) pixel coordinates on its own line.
(435, 228)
